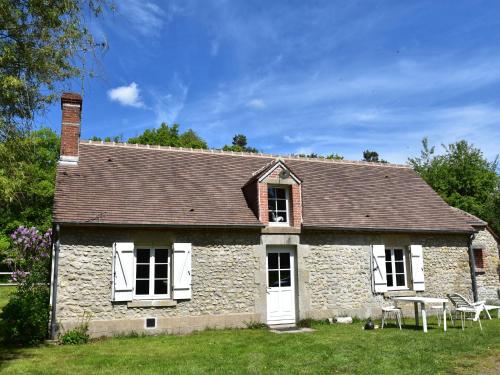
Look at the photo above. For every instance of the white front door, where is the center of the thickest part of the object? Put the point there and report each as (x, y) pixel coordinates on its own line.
(280, 287)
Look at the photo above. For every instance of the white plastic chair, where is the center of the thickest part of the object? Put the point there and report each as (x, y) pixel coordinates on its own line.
(465, 307)
(391, 310)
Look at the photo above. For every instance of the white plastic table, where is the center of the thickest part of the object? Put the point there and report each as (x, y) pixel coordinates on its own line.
(422, 301)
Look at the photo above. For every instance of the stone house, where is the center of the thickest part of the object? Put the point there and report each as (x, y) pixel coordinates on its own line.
(159, 239)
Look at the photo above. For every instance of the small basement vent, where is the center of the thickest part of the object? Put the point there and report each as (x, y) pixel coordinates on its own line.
(151, 323)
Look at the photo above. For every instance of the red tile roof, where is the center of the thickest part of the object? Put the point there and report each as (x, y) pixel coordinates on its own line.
(136, 185)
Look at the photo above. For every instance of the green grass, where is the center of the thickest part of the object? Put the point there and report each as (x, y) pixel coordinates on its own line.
(331, 349)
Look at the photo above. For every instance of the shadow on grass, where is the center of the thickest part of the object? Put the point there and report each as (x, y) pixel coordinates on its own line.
(9, 353)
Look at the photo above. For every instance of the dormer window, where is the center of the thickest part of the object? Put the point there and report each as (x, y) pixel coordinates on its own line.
(278, 205)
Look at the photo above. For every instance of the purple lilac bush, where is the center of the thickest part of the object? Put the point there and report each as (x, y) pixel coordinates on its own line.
(24, 320)
(28, 254)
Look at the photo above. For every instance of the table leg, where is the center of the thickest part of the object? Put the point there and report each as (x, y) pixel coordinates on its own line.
(416, 314)
(444, 316)
(424, 316)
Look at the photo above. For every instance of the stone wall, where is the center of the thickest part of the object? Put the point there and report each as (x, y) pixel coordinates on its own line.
(224, 265)
(340, 271)
(229, 278)
(488, 279)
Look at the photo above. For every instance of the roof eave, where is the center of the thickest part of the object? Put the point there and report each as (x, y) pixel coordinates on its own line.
(386, 230)
(153, 225)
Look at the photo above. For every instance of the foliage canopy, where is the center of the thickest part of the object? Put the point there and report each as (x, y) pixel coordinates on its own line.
(169, 136)
(27, 178)
(42, 43)
(463, 177)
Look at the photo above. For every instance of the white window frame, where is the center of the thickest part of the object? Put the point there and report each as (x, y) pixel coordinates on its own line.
(287, 201)
(152, 255)
(393, 267)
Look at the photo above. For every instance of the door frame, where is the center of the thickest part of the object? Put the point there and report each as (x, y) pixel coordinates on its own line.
(293, 269)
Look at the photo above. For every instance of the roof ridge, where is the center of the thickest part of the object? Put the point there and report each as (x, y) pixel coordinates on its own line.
(243, 153)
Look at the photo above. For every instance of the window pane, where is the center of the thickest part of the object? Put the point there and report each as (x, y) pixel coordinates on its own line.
(389, 280)
(282, 218)
(285, 278)
(400, 280)
(272, 261)
(400, 268)
(271, 205)
(142, 255)
(281, 204)
(161, 271)
(271, 192)
(388, 267)
(398, 254)
(142, 271)
(161, 287)
(387, 255)
(161, 256)
(142, 287)
(273, 279)
(284, 260)
(280, 193)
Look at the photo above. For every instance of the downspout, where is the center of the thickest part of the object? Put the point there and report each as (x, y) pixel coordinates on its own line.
(53, 282)
(472, 263)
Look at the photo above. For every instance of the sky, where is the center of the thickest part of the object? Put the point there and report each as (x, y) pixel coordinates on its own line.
(299, 76)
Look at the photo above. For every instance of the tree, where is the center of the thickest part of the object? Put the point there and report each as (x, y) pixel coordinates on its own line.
(42, 43)
(169, 136)
(463, 177)
(332, 156)
(239, 145)
(27, 177)
(116, 138)
(372, 156)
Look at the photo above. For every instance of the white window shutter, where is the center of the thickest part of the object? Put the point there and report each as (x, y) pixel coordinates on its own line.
(379, 273)
(182, 271)
(417, 267)
(123, 271)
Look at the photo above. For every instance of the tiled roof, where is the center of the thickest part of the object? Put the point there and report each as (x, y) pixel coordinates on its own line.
(139, 185)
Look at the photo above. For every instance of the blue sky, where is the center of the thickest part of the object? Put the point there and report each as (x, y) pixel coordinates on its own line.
(300, 76)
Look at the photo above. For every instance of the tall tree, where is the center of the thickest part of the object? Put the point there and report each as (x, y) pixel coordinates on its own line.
(27, 177)
(169, 136)
(42, 43)
(239, 144)
(463, 177)
(372, 156)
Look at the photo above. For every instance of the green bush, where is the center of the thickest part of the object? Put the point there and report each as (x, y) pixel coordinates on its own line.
(76, 336)
(25, 318)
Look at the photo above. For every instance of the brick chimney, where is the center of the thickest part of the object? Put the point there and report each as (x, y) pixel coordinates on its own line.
(71, 106)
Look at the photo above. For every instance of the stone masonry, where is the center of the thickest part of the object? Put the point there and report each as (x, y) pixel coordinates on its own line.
(488, 278)
(228, 276)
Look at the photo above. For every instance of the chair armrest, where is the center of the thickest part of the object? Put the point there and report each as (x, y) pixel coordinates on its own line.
(478, 303)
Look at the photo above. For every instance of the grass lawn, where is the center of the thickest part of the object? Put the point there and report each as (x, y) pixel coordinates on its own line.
(331, 349)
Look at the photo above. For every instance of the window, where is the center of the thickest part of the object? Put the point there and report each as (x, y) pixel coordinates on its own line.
(395, 265)
(152, 273)
(278, 205)
(479, 258)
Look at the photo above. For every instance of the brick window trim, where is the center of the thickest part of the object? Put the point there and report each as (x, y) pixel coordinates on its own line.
(294, 202)
(479, 259)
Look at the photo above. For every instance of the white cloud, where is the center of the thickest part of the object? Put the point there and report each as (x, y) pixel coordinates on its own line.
(214, 48)
(127, 95)
(146, 17)
(168, 106)
(256, 104)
